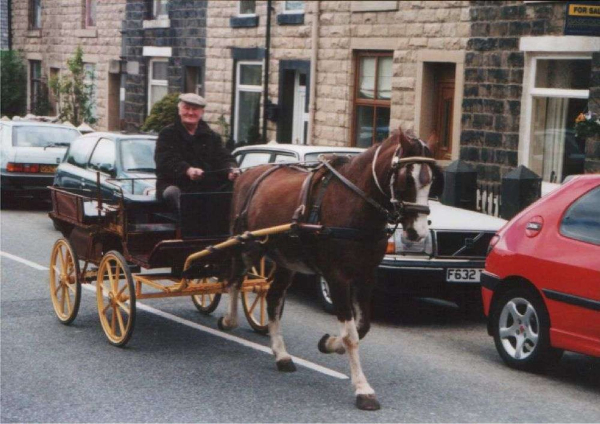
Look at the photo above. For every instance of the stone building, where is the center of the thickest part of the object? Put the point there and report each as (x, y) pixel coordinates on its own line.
(526, 82)
(48, 32)
(163, 51)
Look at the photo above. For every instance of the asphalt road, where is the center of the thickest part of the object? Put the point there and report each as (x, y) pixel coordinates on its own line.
(424, 360)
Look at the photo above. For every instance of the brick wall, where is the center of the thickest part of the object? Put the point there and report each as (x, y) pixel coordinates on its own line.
(494, 80)
(62, 32)
(186, 36)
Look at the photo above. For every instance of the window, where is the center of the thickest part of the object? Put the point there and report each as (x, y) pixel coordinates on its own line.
(247, 7)
(90, 13)
(159, 9)
(35, 83)
(582, 221)
(247, 102)
(103, 158)
(35, 14)
(559, 93)
(193, 79)
(138, 155)
(254, 159)
(80, 150)
(157, 81)
(293, 7)
(284, 158)
(91, 87)
(372, 97)
(42, 136)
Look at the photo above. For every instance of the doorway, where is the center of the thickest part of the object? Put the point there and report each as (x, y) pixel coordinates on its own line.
(292, 125)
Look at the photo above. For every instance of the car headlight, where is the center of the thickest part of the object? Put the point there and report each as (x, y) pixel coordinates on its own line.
(399, 245)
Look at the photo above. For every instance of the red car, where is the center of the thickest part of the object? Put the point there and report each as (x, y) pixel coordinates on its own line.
(541, 284)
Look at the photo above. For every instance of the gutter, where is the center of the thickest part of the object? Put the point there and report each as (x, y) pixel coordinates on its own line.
(313, 71)
(266, 77)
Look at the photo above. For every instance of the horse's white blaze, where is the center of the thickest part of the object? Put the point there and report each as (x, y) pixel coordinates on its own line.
(420, 224)
(349, 335)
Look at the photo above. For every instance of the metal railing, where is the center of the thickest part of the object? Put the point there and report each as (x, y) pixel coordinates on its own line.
(489, 199)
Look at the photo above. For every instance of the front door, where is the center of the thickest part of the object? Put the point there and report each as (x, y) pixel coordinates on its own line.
(444, 112)
(300, 117)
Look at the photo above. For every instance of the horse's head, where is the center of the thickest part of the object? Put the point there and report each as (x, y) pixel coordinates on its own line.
(414, 178)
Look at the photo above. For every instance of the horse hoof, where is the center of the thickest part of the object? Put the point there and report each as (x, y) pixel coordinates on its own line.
(367, 403)
(322, 344)
(221, 325)
(286, 365)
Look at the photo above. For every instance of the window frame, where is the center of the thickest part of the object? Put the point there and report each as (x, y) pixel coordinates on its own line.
(152, 82)
(530, 92)
(293, 12)
(358, 101)
(32, 81)
(156, 17)
(87, 14)
(247, 88)
(245, 15)
(89, 165)
(35, 11)
(573, 235)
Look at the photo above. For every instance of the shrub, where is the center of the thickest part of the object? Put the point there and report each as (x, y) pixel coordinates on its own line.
(163, 113)
(14, 84)
(75, 94)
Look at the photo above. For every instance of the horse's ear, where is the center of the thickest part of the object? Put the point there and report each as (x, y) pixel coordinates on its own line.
(437, 186)
(432, 143)
(404, 141)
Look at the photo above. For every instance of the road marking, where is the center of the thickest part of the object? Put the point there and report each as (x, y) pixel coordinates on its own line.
(217, 333)
(24, 261)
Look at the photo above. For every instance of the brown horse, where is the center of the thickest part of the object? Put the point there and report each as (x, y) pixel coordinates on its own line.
(393, 178)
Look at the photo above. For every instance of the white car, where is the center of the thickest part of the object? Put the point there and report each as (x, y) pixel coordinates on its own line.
(447, 264)
(31, 152)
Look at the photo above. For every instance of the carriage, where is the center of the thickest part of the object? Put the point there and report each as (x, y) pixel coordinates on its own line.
(181, 254)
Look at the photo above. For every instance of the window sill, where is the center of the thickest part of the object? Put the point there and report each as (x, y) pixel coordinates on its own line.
(156, 23)
(34, 33)
(243, 21)
(290, 18)
(87, 33)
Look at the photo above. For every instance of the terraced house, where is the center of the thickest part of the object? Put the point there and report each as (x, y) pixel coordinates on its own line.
(47, 32)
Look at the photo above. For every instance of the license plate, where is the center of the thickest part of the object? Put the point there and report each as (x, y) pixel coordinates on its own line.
(462, 275)
(48, 169)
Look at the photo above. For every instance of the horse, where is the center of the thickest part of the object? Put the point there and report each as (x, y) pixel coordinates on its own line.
(388, 183)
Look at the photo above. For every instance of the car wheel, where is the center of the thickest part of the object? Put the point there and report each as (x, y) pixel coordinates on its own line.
(521, 328)
(324, 295)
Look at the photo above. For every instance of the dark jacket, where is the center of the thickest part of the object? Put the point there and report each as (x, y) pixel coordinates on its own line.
(177, 150)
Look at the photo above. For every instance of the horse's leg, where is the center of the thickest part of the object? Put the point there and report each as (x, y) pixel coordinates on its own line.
(349, 340)
(234, 282)
(275, 298)
(361, 305)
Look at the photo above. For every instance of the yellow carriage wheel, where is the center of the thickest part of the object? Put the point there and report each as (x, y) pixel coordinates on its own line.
(65, 287)
(115, 294)
(254, 301)
(206, 303)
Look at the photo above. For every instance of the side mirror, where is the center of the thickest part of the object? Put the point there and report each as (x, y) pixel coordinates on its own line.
(109, 168)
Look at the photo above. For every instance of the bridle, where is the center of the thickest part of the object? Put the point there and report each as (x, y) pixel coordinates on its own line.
(399, 207)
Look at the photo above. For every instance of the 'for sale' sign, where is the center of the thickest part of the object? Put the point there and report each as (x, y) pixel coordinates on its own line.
(583, 18)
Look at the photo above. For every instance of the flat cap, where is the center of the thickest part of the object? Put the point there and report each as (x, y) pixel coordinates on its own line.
(193, 99)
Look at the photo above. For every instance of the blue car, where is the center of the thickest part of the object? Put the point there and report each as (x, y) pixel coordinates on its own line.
(122, 164)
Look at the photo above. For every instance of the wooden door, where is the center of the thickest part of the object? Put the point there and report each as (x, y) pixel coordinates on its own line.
(444, 115)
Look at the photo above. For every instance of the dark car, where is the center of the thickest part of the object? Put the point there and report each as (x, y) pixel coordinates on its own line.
(541, 284)
(123, 164)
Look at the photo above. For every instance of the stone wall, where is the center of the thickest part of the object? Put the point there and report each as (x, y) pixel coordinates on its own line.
(440, 26)
(494, 80)
(62, 32)
(4, 21)
(185, 35)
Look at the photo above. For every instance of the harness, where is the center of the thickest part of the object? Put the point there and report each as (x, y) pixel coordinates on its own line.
(393, 217)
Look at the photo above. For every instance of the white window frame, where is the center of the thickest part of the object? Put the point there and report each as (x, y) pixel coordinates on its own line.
(530, 91)
(248, 88)
(244, 15)
(159, 17)
(152, 82)
(293, 12)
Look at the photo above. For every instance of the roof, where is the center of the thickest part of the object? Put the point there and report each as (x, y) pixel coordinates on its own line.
(121, 136)
(299, 148)
(36, 124)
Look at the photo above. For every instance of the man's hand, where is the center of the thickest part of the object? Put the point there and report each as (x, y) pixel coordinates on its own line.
(233, 174)
(195, 174)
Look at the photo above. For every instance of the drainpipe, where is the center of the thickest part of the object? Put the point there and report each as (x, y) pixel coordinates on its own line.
(313, 72)
(267, 60)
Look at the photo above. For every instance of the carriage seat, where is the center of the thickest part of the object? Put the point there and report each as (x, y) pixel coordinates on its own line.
(149, 214)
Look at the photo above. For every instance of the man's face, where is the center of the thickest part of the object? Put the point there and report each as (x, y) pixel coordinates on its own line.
(190, 114)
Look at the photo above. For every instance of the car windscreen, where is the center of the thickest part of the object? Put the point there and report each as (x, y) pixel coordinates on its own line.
(314, 157)
(137, 155)
(43, 136)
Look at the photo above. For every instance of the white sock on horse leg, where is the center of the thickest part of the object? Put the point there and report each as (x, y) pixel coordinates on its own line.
(231, 318)
(349, 336)
(277, 344)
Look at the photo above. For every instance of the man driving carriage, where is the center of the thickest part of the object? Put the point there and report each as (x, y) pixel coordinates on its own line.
(190, 157)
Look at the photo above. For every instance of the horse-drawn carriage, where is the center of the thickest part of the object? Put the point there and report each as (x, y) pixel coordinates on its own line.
(331, 219)
(115, 239)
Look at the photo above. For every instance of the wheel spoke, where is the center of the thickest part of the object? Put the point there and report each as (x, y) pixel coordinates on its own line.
(531, 336)
(115, 282)
(72, 288)
(120, 292)
(508, 331)
(58, 287)
(113, 322)
(120, 318)
(66, 294)
(124, 307)
(262, 310)
(105, 310)
(110, 274)
(62, 300)
(519, 347)
(512, 308)
(251, 309)
(55, 269)
(62, 258)
(530, 312)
